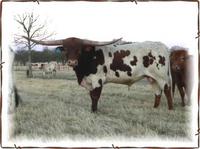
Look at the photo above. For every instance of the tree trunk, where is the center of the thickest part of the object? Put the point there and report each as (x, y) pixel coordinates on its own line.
(30, 74)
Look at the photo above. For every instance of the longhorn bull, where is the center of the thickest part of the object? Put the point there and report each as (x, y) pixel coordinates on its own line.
(96, 63)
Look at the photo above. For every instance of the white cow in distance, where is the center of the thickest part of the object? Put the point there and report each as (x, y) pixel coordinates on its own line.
(49, 69)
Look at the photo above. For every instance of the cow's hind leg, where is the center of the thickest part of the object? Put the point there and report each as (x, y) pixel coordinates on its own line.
(159, 87)
(158, 94)
(167, 91)
(95, 95)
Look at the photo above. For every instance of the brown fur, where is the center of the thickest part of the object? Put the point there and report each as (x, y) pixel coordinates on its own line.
(118, 63)
(148, 60)
(134, 61)
(181, 70)
(162, 60)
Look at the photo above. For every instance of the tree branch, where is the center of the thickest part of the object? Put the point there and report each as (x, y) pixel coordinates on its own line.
(37, 30)
(31, 28)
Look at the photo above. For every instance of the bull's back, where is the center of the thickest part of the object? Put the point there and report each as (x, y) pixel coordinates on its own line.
(130, 62)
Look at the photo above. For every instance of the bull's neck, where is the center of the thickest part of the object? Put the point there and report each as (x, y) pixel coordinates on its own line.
(87, 63)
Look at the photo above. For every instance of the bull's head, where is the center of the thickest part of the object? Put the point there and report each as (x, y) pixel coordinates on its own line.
(73, 47)
(178, 59)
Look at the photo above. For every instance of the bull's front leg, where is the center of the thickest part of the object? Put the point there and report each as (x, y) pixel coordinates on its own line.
(95, 95)
(182, 94)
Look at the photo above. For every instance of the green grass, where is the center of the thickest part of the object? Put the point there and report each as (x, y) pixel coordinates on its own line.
(59, 107)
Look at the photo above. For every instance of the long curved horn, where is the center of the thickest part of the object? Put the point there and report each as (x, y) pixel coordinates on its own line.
(48, 43)
(97, 43)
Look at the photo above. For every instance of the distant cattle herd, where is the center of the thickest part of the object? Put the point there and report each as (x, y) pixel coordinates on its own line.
(49, 69)
(41, 65)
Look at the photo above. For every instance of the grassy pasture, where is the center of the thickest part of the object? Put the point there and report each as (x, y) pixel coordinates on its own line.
(59, 107)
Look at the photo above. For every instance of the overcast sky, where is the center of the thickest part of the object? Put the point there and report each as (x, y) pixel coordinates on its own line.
(173, 23)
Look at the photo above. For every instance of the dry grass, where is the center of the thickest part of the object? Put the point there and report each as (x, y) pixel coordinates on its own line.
(54, 108)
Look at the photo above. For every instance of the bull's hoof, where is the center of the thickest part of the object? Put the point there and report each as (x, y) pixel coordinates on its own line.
(171, 108)
(155, 106)
(94, 110)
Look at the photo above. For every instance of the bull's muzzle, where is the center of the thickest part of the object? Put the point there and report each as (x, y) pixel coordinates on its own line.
(72, 63)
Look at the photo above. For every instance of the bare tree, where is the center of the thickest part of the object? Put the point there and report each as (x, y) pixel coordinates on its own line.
(31, 27)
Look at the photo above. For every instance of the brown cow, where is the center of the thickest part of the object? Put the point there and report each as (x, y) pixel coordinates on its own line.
(181, 70)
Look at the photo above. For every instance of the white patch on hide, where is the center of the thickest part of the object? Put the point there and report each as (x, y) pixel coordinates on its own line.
(92, 81)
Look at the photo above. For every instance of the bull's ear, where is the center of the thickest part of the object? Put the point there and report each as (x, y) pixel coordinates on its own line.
(189, 57)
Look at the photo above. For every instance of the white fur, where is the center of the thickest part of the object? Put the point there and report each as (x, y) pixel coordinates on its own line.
(49, 69)
(139, 50)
